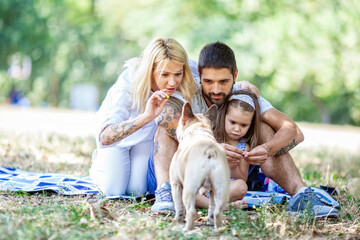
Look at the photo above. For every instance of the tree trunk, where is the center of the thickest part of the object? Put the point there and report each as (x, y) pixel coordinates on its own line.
(54, 91)
(308, 91)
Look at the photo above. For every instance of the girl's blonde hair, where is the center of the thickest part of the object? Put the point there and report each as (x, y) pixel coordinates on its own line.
(253, 134)
(158, 51)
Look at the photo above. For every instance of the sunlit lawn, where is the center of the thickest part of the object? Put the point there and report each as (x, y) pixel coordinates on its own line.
(52, 216)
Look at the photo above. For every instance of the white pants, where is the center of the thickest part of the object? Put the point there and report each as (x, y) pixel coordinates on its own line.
(121, 171)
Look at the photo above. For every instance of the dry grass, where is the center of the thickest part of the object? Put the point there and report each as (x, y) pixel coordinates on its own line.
(52, 216)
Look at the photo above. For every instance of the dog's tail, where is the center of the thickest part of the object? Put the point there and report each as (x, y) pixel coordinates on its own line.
(210, 153)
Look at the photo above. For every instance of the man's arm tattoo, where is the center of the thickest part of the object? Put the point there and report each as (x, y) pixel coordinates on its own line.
(170, 116)
(156, 148)
(287, 148)
(118, 131)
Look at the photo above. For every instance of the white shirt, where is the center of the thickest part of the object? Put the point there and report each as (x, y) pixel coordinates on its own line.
(117, 107)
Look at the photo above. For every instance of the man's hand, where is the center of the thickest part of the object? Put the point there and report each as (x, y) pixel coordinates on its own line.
(257, 156)
(234, 155)
(246, 85)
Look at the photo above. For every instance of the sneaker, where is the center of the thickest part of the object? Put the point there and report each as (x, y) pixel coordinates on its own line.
(307, 202)
(163, 199)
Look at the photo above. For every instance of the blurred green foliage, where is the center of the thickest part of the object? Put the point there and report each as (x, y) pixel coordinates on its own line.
(303, 55)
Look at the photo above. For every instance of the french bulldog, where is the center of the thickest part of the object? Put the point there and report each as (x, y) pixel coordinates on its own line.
(199, 165)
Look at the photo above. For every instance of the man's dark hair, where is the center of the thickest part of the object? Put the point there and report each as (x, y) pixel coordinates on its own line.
(217, 55)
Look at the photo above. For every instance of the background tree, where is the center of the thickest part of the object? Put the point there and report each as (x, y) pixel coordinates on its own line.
(303, 55)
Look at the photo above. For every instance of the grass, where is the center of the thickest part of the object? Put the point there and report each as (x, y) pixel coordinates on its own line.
(53, 216)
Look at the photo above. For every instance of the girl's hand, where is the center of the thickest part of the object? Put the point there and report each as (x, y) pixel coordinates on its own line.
(234, 155)
(155, 104)
(257, 156)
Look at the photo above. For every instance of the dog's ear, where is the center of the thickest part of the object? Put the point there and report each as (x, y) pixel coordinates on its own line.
(211, 113)
(187, 112)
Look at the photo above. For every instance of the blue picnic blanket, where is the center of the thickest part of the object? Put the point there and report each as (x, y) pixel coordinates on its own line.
(12, 179)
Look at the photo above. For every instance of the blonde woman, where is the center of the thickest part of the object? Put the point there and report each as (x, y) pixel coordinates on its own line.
(126, 116)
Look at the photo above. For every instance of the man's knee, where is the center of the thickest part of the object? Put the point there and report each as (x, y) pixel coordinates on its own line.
(164, 145)
(160, 134)
(266, 132)
(164, 149)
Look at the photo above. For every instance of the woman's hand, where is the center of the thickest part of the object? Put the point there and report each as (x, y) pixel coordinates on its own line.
(117, 131)
(155, 104)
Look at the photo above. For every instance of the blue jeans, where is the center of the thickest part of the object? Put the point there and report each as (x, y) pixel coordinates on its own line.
(151, 179)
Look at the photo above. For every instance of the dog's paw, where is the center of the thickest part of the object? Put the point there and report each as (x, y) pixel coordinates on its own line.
(179, 218)
(188, 227)
(220, 229)
(210, 221)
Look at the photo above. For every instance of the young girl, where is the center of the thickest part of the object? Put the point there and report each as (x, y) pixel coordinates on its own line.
(238, 125)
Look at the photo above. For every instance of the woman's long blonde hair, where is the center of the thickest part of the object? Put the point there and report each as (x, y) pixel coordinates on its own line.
(160, 50)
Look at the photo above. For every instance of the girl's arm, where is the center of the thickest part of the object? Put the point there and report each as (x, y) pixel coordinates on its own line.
(240, 171)
(118, 131)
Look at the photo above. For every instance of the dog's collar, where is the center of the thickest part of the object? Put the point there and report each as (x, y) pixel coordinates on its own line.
(200, 131)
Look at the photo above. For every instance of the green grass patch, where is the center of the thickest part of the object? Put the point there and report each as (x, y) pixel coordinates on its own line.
(53, 216)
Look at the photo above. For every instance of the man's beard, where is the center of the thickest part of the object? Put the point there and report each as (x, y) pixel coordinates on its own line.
(218, 102)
